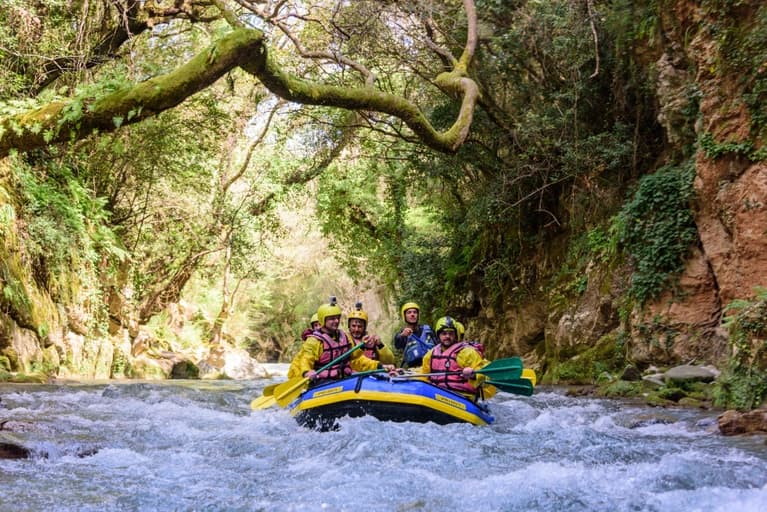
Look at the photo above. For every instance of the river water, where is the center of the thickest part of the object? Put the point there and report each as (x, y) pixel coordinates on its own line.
(196, 445)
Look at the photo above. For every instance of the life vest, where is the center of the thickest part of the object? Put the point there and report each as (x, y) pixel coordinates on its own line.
(417, 346)
(332, 349)
(446, 360)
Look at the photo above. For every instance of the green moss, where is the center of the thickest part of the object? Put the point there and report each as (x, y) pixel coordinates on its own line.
(146, 371)
(13, 293)
(29, 378)
(656, 401)
(49, 365)
(622, 388)
(606, 356)
(692, 402)
(673, 394)
(11, 357)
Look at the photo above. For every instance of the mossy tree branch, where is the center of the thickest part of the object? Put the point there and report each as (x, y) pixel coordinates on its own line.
(56, 121)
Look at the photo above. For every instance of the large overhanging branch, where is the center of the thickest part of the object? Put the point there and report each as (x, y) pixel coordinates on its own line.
(61, 122)
(298, 90)
(56, 121)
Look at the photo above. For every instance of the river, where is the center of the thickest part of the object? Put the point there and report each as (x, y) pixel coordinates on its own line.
(196, 446)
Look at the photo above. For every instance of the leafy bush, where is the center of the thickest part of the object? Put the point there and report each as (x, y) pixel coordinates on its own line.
(656, 227)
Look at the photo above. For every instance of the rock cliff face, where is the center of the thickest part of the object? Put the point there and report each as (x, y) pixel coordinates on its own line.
(731, 208)
(731, 187)
(705, 62)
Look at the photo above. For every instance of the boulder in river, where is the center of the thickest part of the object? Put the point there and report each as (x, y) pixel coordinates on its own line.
(11, 448)
(751, 422)
(689, 373)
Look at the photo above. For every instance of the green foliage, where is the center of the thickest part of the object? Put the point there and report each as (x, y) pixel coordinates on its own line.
(67, 227)
(622, 388)
(14, 293)
(656, 227)
(599, 246)
(556, 165)
(744, 383)
(360, 212)
(164, 338)
(743, 53)
(121, 366)
(745, 149)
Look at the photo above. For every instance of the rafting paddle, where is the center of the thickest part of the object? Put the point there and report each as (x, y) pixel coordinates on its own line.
(527, 373)
(500, 369)
(289, 390)
(518, 387)
(263, 402)
(503, 369)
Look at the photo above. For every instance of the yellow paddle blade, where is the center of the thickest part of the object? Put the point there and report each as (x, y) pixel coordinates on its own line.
(269, 390)
(529, 374)
(289, 390)
(262, 402)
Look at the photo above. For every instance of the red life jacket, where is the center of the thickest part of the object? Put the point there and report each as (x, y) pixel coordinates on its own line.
(446, 360)
(331, 349)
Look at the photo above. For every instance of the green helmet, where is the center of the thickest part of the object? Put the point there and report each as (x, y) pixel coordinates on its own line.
(315, 318)
(446, 323)
(326, 310)
(409, 305)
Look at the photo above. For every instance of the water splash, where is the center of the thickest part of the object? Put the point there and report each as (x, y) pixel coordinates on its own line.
(196, 446)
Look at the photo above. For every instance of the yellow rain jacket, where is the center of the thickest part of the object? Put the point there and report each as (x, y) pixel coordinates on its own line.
(310, 353)
(385, 354)
(467, 356)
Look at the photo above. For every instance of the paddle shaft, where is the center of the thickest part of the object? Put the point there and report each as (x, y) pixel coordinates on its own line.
(340, 358)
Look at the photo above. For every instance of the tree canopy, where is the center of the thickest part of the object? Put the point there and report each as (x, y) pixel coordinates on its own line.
(246, 47)
(441, 142)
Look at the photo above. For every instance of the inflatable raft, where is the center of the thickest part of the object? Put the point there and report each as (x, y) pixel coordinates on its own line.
(388, 400)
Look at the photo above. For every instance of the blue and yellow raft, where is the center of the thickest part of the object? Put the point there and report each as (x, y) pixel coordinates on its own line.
(385, 399)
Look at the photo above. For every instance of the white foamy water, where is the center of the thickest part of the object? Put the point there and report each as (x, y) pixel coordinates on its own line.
(196, 446)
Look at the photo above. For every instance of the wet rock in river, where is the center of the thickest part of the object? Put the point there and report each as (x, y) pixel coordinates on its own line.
(751, 422)
(11, 448)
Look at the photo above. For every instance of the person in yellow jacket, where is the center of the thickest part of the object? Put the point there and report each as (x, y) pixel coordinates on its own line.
(374, 348)
(454, 362)
(327, 344)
